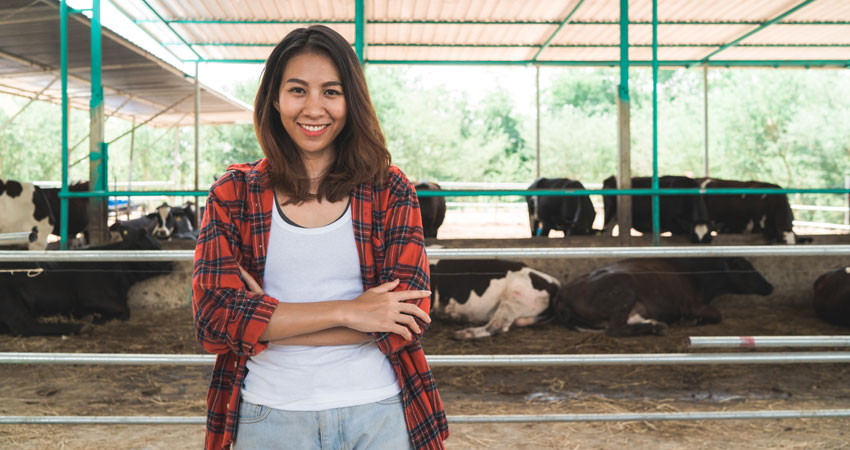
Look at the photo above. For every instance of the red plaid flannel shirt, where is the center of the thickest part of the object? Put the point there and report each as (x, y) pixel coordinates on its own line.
(229, 320)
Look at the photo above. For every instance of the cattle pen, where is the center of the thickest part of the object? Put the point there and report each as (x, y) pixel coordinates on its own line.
(654, 381)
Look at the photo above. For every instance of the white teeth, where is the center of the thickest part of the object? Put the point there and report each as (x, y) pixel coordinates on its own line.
(314, 127)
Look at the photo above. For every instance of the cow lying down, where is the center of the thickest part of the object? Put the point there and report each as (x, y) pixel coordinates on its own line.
(496, 293)
(72, 288)
(832, 297)
(642, 296)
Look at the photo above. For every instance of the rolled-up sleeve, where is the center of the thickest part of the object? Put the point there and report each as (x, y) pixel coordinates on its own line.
(227, 317)
(404, 255)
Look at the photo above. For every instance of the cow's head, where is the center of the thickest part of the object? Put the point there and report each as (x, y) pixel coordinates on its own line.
(745, 279)
(164, 222)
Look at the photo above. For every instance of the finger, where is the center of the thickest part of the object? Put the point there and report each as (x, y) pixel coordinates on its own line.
(408, 295)
(402, 331)
(414, 310)
(408, 320)
(386, 287)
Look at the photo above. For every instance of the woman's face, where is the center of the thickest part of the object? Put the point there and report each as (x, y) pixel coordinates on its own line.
(311, 104)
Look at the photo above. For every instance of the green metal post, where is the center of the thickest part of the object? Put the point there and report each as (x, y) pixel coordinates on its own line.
(656, 221)
(359, 31)
(63, 63)
(98, 163)
(624, 159)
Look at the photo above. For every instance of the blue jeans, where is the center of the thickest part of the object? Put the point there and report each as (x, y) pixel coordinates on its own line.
(373, 426)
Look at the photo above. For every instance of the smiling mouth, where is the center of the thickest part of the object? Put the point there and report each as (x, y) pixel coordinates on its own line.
(314, 130)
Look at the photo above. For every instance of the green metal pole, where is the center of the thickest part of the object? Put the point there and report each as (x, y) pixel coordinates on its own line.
(98, 162)
(359, 31)
(63, 63)
(624, 158)
(656, 221)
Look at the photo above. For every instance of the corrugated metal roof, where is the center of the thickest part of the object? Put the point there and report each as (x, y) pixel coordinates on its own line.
(136, 83)
(512, 31)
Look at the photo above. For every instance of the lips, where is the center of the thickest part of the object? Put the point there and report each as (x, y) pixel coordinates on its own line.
(313, 130)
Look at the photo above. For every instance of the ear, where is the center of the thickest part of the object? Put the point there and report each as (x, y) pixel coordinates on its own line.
(276, 105)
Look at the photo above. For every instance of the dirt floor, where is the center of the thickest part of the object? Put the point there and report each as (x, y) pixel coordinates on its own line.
(175, 390)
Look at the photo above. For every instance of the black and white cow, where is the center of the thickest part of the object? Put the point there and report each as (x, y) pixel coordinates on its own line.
(496, 293)
(642, 296)
(832, 297)
(123, 228)
(679, 214)
(432, 209)
(173, 221)
(770, 215)
(572, 215)
(75, 288)
(27, 207)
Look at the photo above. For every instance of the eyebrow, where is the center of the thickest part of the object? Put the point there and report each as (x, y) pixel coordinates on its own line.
(299, 81)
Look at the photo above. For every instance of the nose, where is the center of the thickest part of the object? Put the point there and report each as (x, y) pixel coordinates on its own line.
(313, 107)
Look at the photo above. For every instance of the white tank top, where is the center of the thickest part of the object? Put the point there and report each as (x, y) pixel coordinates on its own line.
(313, 265)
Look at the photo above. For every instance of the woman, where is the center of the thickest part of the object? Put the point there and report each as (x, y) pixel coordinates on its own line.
(310, 278)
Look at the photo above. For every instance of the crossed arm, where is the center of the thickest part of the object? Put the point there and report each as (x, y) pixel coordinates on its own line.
(343, 322)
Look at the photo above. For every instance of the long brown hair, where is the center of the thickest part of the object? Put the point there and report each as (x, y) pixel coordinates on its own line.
(361, 150)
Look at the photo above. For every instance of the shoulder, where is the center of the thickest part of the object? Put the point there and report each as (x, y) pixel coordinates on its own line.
(233, 183)
(397, 185)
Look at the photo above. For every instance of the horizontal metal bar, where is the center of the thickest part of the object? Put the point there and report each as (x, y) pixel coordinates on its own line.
(467, 253)
(472, 22)
(644, 192)
(463, 360)
(821, 208)
(469, 45)
(456, 419)
(512, 192)
(837, 63)
(832, 226)
(768, 341)
(14, 238)
(627, 417)
(85, 194)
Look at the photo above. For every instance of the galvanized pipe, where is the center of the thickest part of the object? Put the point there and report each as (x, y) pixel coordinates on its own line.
(467, 253)
(463, 360)
(768, 341)
(14, 238)
(505, 418)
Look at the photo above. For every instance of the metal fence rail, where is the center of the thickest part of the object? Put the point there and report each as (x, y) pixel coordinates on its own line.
(509, 418)
(465, 253)
(768, 341)
(463, 360)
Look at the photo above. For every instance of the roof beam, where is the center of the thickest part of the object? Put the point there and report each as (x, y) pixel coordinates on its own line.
(759, 28)
(838, 63)
(557, 30)
(188, 45)
(415, 44)
(472, 22)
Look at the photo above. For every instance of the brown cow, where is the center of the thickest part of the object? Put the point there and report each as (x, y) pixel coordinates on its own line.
(832, 297)
(641, 296)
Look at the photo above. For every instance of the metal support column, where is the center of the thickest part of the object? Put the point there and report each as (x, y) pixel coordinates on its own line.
(130, 165)
(705, 119)
(656, 222)
(197, 140)
(63, 63)
(624, 168)
(98, 158)
(537, 90)
(360, 31)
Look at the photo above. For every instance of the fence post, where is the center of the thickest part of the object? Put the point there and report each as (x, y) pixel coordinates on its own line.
(847, 212)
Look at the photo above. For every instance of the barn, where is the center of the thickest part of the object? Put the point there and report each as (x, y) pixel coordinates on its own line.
(543, 378)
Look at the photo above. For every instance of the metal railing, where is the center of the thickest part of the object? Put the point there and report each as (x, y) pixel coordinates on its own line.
(466, 253)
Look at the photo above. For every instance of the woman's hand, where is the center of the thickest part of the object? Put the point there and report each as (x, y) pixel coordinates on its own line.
(250, 282)
(381, 310)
